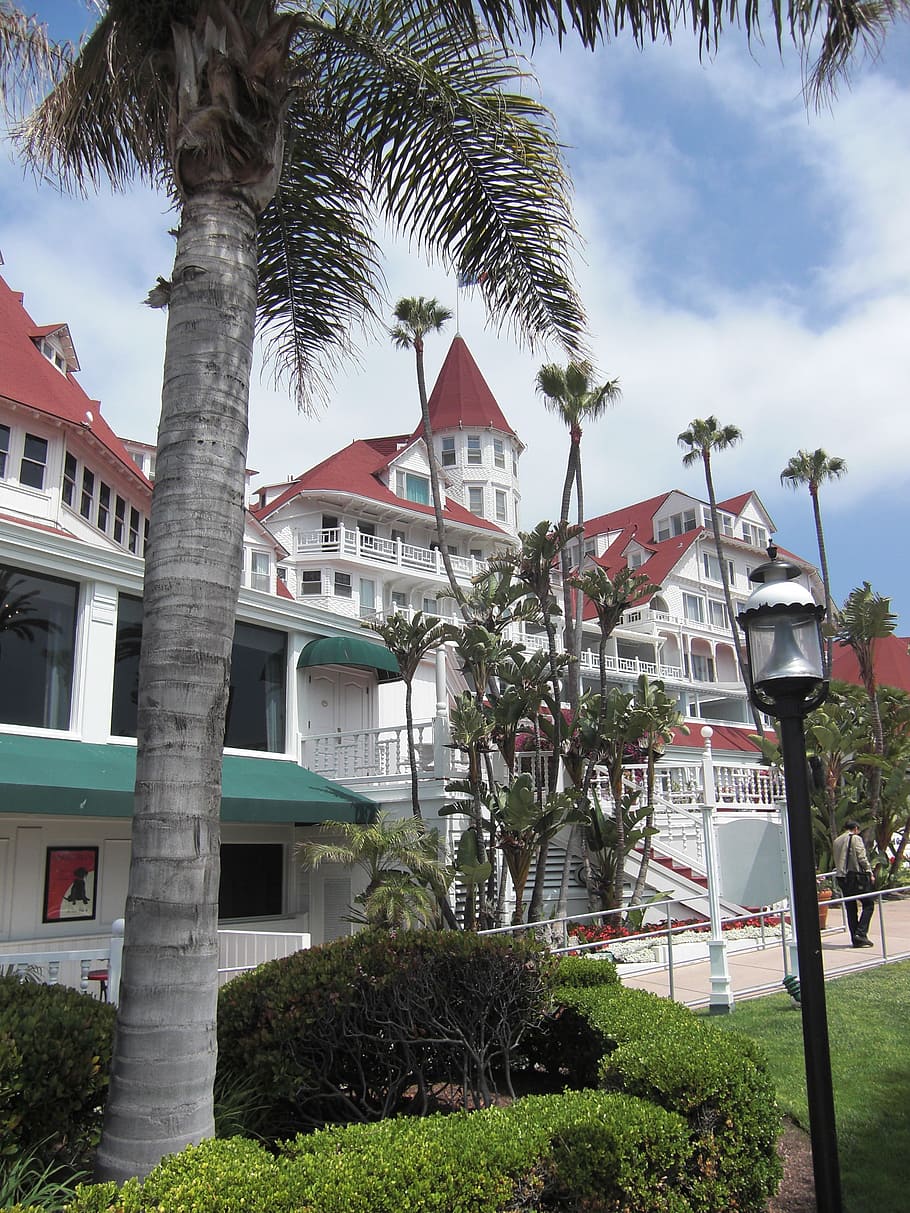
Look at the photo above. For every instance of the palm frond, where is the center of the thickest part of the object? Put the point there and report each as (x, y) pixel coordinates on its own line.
(29, 60)
(471, 171)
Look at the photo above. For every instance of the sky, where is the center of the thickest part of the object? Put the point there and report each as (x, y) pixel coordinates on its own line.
(744, 255)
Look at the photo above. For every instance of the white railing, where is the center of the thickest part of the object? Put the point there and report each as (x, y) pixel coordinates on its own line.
(590, 661)
(100, 961)
(379, 753)
(343, 541)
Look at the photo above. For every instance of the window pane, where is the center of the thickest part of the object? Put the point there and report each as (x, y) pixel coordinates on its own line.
(475, 500)
(38, 619)
(69, 479)
(255, 719)
(448, 452)
(499, 454)
(417, 488)
(88, 492)
(343, 585)
(4, 448)
(473, 448)
(310, 582)
(104, 505)
(126, 666)
(34, 461)
(252, 880)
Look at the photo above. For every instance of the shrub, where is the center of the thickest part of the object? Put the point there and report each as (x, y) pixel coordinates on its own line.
(585, 1151)
(582, 971)
(364, 1027)
(632, 1041)
(55, 1054)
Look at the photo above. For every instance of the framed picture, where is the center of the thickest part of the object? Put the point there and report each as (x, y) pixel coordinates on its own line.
(70, 883)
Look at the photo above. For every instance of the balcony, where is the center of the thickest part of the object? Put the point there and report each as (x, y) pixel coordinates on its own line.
(375, 551)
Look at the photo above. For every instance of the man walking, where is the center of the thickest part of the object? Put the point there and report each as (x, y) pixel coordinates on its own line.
(854, 876)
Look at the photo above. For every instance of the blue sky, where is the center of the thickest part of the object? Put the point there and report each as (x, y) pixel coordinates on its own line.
(744, 256)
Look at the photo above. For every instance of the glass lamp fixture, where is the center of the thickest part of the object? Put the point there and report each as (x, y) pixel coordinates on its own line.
(782, 623)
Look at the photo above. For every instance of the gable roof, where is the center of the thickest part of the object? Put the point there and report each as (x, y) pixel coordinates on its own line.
(461, 397)
(356, 469)
(28, 379)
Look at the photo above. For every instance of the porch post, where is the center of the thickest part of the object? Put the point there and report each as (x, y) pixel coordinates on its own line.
(721, 998)
(441, 751)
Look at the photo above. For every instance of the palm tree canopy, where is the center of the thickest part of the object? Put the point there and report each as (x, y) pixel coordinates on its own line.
(705, 435)
(409, 638)
(865, 617)
(572, 393)
(610, 596)
(415, 317)
(330, 121)
(813, 468)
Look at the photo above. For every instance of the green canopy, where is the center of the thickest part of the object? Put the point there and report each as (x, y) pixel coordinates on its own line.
(351, 650)
(52, 775)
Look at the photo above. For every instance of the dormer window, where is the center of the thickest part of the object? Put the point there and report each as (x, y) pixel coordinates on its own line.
(754, 535)
(52, 354)
(676, 524)
(413, 488)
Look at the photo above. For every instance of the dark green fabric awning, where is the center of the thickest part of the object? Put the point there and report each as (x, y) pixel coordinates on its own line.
(350, 650)
(53, 775)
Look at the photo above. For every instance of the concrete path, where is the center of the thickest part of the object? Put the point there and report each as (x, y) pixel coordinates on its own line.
(761, 971)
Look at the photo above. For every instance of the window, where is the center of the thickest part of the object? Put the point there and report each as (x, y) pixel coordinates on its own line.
(256, 707)
(475, 499)
(88, 493)
(367, 595)
(634, 560)
(590, 547)
(330, 532)
(694, 608)
(252, 880)
(702, 668)
(711, 566)
(448, 452)
(398, 537)
(260, 571)
(754, 535)
(310, 582)
(676, 524)
(474, 453)
(119, 519)
(451, 549)
(499, 453)
(399, 601)
(514, 464)
(413, 488)
(501, 508)
(68, 492)
(367, 528)
(34, 462)
(343, 585)
(477, 554)
(430, 606)
(104, 506)
(717, 613)
(36, 657)
(134, 531)
(4, 448)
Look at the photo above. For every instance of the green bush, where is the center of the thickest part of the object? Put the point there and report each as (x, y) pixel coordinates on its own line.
(634, 1042)
(55, 1054)
(365, 1027)
(585, 1151)
(584, 971)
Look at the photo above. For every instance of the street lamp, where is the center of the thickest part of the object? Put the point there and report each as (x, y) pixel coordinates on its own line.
(787, 680)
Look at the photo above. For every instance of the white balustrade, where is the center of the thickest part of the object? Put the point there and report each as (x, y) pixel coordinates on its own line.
(377, 753)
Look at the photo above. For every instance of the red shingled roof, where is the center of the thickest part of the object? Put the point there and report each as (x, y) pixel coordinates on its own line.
(461, 396)
(892, 663)
(355, 469)
(27, 378)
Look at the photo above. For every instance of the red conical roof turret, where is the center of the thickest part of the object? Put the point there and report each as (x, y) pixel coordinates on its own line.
(461, 396)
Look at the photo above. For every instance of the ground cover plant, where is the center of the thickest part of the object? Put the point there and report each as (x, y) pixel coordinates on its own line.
(867, 1017)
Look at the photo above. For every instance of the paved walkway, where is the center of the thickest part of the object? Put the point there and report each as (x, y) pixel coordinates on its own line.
(761, 971)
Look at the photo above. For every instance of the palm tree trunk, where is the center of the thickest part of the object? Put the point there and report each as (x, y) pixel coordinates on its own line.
(826, 581)
(728, 597)
(642, 878)
(575, 662)
(434, 481)
(565, 565)
(535, 909)
(164, 1054)
(412, 748)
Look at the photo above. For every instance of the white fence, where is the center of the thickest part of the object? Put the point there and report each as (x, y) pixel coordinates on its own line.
(373, 752)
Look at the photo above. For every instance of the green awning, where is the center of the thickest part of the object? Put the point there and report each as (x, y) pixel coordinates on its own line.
(77, 778)
(351, 650)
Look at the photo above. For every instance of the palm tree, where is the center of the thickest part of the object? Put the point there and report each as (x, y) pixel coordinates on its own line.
(281, 132)
(864, 619)
(813, 468)
(655, 715)
(409, 640)
(704, 436)
(611, 597)
(415, 318)
(400, 859)
(571, 393)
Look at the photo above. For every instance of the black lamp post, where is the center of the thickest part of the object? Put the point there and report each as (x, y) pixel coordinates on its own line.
(782, 624)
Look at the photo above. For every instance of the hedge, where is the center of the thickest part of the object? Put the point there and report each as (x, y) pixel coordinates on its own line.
(55, 1055)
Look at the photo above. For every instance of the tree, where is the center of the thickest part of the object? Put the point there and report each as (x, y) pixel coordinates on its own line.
(864, 619)
(611, 597)
(280, 132)
(409, 640)
(572, 394)
(703, 437)
(813, 468)
(414, 319)
(400, 858)
(655, 715)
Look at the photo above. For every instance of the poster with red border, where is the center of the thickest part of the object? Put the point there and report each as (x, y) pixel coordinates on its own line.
(70, 884)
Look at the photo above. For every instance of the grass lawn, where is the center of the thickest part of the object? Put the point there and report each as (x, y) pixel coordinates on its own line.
(868, 1021)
